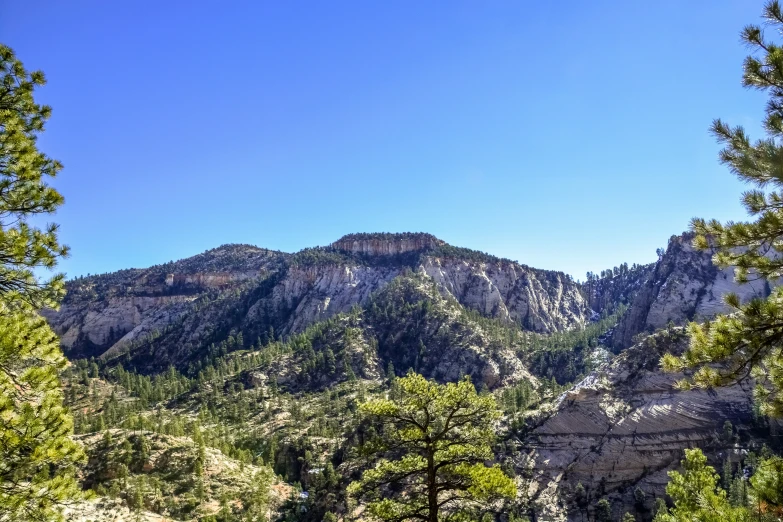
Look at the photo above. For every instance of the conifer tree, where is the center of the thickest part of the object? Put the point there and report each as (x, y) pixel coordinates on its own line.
(697, 496)
(24, 191)
(37, 455)
(433, 452)
(750, 340)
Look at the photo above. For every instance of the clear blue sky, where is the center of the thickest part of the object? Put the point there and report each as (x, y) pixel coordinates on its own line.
(566, 135)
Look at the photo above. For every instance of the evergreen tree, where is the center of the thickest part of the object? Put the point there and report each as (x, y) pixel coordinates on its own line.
(603, 511)
(433, 452)
(24, 192)
(37, 455)
(767, 483)
(748, 341)
(697, 496)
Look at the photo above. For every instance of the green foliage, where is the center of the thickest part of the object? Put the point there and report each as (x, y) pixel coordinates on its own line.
(518, 397)
(767, 484)
(172, 478)
(416, 327)
(321, 256)
(750, 339)
(434, 445)
(24, 191)
(603, 511)
(696, 494)
(614, 286)
(37, 455)
(565, 356)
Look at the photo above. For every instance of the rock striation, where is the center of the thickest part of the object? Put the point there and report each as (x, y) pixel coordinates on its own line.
(541, 301)
(625, 426)
(112, 312)
(386, 244)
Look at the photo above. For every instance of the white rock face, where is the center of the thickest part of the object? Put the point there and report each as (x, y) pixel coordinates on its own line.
(684, 286)
(387, 246)
(539, 300)
(626, 426)
(116, 322)
(317, 293)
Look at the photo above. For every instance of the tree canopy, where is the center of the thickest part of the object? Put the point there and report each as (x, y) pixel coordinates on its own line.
(696, 494)
(434, 444)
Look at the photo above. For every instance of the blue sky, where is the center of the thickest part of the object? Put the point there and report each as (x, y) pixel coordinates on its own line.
(566, 135)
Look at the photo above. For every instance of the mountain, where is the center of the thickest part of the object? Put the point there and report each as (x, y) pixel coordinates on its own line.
(174, 313)
(622, 428)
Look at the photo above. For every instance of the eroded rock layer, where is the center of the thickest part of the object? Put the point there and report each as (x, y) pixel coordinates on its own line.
(626, 426)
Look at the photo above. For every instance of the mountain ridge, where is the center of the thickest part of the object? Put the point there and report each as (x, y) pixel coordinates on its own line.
(192, 303)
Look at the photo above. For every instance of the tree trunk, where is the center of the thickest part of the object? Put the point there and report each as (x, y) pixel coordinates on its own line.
(432, 491)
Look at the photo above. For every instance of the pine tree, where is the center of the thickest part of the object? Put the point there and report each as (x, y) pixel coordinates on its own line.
(697, 496)
(603, 511)
(24, 192)
(437, 442)
(37, 455)
(767, 483)
(749, 340)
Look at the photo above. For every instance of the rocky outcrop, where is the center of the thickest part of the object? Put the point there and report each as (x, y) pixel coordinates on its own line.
(110, 313)
(626, 426)
(684, 286)
(539, 300)
(90, 329)
(208, 281)
(311, 294)
(409, 324)
(386, 244)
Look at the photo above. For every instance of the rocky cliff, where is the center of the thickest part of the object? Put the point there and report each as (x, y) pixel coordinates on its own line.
(684, 285)
(111, 312)
(386, 244)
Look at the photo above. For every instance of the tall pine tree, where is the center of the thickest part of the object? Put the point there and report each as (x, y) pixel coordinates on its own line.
(436, 441)
(750, 340)
(37, 455)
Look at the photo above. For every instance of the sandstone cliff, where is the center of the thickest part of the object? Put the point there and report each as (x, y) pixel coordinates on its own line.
(386, 244)
(112, 312)
(684, 285)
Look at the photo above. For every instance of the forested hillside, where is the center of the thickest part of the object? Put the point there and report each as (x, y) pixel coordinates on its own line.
(283, 402)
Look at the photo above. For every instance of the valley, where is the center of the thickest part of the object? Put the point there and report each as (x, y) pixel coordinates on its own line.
(243, 362)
